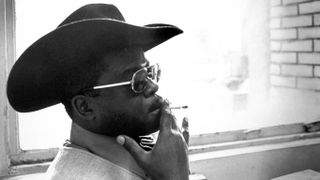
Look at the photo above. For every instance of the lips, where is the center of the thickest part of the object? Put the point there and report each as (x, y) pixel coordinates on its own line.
(156, 104)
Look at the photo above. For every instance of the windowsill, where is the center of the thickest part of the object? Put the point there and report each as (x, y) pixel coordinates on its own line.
(247, 134)
(29, 168)
(254, 142)
(34, 156)
(233, 149)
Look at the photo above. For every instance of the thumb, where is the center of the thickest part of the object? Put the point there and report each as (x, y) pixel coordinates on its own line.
(132, 147)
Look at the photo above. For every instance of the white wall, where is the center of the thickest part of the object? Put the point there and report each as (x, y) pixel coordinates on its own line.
(256, 48)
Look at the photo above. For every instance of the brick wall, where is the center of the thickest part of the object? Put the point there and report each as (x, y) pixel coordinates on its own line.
(295, 44)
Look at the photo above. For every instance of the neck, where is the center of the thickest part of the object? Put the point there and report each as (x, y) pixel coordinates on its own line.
(103, 146)
(87, 139)
(80, 137)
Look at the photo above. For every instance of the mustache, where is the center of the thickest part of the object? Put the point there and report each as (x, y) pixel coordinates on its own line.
(156, 103)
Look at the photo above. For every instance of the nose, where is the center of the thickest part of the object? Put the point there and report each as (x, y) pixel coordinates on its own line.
(151, 88)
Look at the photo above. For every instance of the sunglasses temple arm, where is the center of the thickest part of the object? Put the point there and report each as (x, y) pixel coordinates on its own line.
(112, 85)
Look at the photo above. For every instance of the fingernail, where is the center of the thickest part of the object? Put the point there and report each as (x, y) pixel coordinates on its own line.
(120, 140)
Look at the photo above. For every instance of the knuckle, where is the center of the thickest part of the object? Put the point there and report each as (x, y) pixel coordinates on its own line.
(176, 134)
(169, 116)
(167, 113)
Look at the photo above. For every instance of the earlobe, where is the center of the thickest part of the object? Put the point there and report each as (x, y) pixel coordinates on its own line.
(82, 108)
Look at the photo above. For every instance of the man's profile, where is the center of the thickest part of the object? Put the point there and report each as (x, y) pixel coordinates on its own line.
(94, 64)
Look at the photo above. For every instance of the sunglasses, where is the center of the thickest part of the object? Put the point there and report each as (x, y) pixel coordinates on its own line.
(139, 80)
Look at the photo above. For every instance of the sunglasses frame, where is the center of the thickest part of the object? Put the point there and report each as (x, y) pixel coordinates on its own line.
(127, 82)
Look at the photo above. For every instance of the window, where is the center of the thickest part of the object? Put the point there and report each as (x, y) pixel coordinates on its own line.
(219, 67)
(193, 63)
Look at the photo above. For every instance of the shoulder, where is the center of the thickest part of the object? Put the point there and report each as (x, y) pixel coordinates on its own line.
(73, 163)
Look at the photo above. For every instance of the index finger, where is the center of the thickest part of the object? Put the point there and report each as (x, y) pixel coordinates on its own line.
(166, 118)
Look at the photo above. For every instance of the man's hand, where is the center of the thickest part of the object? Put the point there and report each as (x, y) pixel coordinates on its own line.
(168, 160)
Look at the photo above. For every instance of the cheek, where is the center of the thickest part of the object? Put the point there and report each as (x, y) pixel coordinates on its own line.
(123, 103)
(123, 108)
(132, 102)
(117, 123)
(138, 107)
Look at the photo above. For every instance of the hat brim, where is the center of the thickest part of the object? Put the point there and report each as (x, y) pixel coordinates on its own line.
(32, 82)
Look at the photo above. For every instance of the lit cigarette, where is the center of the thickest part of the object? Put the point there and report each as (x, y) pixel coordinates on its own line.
(179, 107)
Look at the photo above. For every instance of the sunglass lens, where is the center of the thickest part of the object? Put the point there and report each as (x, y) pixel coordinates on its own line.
(141, 77)
(140, 80)
(158, 72)
(154, 73)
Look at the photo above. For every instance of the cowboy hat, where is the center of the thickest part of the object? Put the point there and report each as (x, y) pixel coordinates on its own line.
(43, 73)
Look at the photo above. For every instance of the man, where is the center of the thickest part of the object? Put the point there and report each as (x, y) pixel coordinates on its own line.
(94, 64)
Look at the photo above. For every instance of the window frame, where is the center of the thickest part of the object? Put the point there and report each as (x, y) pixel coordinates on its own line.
(9, 129)
(9, 57)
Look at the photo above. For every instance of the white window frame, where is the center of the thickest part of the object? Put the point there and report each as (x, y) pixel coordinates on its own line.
(15, 161)
(11, 155)
(8, 119)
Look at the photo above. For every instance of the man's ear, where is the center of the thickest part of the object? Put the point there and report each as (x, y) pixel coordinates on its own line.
(82, 107)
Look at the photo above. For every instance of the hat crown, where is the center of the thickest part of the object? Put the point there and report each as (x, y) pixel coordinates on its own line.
(93, 11)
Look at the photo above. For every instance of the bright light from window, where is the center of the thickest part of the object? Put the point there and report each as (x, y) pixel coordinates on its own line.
(194, 64)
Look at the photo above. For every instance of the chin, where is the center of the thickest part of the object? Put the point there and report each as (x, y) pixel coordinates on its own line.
(142, 132)
(154, 124)
(131, 125)
(151, 126)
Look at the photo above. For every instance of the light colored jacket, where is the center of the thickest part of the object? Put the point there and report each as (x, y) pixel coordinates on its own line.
(78, 164)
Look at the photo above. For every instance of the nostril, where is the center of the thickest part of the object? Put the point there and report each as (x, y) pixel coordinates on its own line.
(151, 89)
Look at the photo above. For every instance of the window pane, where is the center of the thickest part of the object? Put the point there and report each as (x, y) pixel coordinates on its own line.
(43, 129)
(191, 62)
(205, 68)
